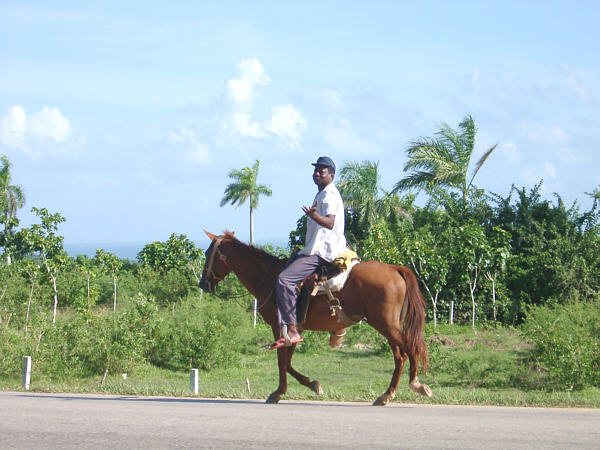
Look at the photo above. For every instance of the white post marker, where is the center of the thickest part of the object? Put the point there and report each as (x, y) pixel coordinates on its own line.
(255, 313)
(27, 372)
(194, 381)
(451, 312)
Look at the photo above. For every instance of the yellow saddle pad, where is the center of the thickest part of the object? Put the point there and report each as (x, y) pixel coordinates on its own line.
(345, 259)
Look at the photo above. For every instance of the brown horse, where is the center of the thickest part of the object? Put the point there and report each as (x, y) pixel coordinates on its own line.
(386, 296)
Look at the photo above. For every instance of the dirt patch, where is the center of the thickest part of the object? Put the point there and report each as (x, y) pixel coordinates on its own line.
(442, 340)
(470, 343)
(360, 346)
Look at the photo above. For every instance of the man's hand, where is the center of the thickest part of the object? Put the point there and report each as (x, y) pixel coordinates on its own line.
(325, 221)
(310, 212)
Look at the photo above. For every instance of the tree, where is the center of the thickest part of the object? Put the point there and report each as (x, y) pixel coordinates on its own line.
(178, 251)
(243, 188)
(43, 239)
(554, 249)
(111, 264)
(11, 199)
(171, 260)
(381, 244)
(426, 254)
(86, 267)
(443, 161)
(359, 187)
(473, 256)
(30, 269)
(498, 254)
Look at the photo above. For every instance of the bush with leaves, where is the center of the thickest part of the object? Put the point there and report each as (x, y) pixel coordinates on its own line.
(567, 342)
(166, 287)
(197, 335)
(13, 347)
(82, 345)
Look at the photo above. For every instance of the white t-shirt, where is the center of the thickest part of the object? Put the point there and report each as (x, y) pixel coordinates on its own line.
(328, 244)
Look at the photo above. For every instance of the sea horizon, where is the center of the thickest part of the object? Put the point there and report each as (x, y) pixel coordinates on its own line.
(130, 249)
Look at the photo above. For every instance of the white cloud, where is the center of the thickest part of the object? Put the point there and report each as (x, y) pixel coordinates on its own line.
(545, 134)
(13, 127)
(287, 123)
(49, 123)
(511, 152)
(194, 151)
(544, 172)
(19, 130)
(235, 119)
(341, 136)
(573, 83)
(242, 124)
(250, 73)
(550, 169)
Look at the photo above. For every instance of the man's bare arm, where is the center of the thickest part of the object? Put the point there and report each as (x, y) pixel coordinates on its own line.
(327, 221)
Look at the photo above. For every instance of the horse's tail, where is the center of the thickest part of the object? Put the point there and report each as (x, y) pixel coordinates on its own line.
(413, 317)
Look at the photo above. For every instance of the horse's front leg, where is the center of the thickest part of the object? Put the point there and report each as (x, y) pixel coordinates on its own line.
(399, 360)
(282, 363)
(314, 385)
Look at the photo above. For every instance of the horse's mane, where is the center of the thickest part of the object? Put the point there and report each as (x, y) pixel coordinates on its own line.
(256, 251)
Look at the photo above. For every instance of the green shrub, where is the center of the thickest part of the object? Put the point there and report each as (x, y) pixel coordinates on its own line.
(196, 335)
(567, 342)
(88, 345)
(167, 287)
(13, 348)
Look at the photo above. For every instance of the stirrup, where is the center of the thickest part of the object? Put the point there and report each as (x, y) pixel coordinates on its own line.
(284, 334)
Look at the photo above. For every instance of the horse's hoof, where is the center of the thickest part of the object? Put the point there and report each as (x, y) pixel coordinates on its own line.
(315, 386)
(422, 389)
(382, 400)
(272, 400)
(427, 391)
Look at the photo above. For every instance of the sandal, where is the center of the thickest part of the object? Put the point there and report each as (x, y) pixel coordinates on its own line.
(282, 342)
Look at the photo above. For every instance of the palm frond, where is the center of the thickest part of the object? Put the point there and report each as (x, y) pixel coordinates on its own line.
(417, 180)
(481, 162)
(467, 135)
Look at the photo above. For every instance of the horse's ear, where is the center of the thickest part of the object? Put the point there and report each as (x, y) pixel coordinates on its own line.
(211, 236)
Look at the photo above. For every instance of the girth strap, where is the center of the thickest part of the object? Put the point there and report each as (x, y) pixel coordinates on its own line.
(335, 307)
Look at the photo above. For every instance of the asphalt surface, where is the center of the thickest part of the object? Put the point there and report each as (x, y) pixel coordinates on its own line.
(92, 421)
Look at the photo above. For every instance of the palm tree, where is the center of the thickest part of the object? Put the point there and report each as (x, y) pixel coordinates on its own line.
(443, 161)
(359, 186)
(11, 199)
(244, 187)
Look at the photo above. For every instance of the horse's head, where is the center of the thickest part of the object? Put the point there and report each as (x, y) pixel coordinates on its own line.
(216, 267)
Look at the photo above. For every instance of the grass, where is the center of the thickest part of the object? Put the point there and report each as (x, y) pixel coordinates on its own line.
(482, 367)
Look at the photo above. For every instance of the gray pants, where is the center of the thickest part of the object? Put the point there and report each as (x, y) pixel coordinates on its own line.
(285, 294)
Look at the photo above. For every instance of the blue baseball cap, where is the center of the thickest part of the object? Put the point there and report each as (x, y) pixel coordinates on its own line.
(325, 161)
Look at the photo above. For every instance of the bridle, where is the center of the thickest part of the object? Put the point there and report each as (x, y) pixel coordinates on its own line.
(212, 275)
(209, 268)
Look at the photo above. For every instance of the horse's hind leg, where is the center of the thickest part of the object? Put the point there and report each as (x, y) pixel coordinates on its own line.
(399, 360)
(414, 384)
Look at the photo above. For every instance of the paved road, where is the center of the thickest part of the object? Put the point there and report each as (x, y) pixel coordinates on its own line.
(92, 421)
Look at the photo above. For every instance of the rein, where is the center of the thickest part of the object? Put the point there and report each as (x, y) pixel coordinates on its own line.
(222, 257)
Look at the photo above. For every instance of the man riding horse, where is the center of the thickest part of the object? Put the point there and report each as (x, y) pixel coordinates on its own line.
(324, 242)
(386, 296)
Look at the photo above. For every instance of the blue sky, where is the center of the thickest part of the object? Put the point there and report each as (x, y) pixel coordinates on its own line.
(126, 116)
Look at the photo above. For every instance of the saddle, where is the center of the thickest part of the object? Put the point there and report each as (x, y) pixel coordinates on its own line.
(328, 278)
